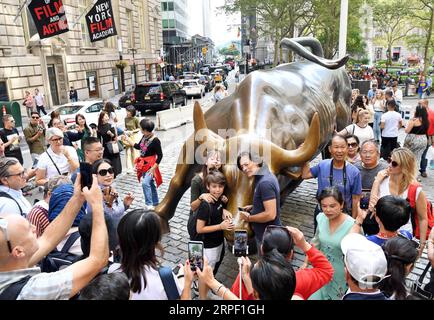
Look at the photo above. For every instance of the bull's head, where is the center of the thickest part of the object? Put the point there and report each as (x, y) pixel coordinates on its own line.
(239, 187)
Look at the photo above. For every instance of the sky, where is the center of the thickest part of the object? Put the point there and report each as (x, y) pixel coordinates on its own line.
(223, 28)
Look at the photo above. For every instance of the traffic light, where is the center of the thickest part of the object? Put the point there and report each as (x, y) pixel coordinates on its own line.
(204, 50)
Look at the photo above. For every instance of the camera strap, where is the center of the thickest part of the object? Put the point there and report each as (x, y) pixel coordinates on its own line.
(344, 175)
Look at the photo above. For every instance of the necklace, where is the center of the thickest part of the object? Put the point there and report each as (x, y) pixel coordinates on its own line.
(387, 235)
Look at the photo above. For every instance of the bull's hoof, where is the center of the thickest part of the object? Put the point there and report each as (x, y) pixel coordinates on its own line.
(165, 228)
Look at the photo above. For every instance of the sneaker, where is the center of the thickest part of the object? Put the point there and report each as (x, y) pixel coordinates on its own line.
(423, 174)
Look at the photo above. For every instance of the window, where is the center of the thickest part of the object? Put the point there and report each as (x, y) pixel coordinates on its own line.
(130, 29)
(94, 108)
(84, 6)
(28, 25)
(3, 91)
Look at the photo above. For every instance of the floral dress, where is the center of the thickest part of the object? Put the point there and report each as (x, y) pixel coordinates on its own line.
(330, 245)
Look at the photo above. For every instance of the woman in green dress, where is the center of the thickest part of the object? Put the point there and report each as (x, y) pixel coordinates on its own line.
(82, 126)
(333, 225)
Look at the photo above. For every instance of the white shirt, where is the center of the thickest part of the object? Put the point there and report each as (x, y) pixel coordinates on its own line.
(39, 99)
(62, 163)
(76, 247)
(391, 120)
(363, 134)
(385, 191)
(9, 206)
(154, 286)
(397, 95)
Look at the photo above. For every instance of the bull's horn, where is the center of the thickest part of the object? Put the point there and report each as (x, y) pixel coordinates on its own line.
(198, 118)
(201, 131)
(306, 151)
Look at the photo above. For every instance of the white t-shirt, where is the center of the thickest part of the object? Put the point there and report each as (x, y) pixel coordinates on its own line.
(391, 120)
(154, 286)
(385, 191)
(397, 95)
(39, 99)
(60, 160)
(9, 206)
(363, 134)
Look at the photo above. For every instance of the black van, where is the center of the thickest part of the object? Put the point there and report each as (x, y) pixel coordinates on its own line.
(155, 96)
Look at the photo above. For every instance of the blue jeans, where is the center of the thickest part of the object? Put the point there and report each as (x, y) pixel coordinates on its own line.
(149, 190)
(377, 120)
(424, 161)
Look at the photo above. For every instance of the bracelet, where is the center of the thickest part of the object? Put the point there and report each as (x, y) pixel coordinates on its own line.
(224, 292)
(218, 289)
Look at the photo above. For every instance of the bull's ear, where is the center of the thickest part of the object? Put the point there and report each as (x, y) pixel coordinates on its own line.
(198, 118)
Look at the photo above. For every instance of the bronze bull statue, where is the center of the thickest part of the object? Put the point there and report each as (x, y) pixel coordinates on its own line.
(288, 114)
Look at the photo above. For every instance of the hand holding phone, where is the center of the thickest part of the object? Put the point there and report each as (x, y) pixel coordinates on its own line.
(195, 254)
(86, 175)
(364, 200)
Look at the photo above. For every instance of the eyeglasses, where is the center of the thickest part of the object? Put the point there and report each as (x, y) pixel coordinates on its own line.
(4, 228)
(35, 117)
(393, 163)
(104, 172)
(56, 140)
(21, 174)
(353, 145)
(97, 150)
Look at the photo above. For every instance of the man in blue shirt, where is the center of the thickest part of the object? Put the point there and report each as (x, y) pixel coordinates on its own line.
(266, 198)
(337, 172)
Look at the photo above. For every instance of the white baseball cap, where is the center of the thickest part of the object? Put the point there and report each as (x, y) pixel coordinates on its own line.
(364, 260)
(53, 132)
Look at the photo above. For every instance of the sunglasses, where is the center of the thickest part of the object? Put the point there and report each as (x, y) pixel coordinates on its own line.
(35, 118)
(104, 172)
(353, 145)
(4, 228)
(393, 163)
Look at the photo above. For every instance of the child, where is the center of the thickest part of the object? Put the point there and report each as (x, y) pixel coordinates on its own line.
(212, 219)
(391, 213)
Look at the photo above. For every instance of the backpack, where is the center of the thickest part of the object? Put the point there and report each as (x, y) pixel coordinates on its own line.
(411, 198)
(192, 223)
(13, 291)
(58, 260)
(6, 195)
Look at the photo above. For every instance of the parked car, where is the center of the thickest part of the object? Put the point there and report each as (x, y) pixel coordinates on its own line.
(125, 100)
(193, 88)
(89, 109)
(157, 96)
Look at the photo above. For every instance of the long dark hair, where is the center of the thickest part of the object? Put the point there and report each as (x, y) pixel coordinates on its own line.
(423, 115)
(101, 116)
(109, 107)
(400, 252)
(79, 115)
(358, 103)
(139, 235)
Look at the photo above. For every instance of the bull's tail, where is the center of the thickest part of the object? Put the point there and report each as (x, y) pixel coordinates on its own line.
(297, 45)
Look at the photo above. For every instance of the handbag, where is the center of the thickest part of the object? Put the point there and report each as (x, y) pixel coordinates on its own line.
(114, 147)
(418, 289)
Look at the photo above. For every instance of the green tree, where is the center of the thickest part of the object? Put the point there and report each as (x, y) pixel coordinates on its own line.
(229, 51)
(423, 13)
(392, 19)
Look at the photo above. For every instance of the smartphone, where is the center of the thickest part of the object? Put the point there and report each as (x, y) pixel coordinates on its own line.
(240, 243)
(86, 175)
(195, 254)
(364, 200)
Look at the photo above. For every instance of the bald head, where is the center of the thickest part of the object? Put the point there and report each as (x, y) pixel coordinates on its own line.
(22, 238)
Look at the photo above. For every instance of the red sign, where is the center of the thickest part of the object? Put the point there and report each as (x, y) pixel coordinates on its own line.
(49, 17)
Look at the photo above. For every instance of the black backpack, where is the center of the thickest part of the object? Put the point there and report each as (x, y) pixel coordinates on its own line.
(58, 260)
(192, 222)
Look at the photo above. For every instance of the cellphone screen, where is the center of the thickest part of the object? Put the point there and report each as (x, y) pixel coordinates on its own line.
(240, 243)
(364, 200)
(195, 254)
(86, 175)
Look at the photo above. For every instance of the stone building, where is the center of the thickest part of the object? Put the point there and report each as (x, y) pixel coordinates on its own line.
(55, 64)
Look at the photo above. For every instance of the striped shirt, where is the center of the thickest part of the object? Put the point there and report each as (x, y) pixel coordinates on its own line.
(38, 216)
(41, 286)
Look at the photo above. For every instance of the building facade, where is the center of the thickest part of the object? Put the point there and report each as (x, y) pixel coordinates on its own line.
(55, 64)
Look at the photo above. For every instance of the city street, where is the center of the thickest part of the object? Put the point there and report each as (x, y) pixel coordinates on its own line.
(297, 210)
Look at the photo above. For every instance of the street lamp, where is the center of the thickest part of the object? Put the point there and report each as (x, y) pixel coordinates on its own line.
(121, 65)
(134, 51)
